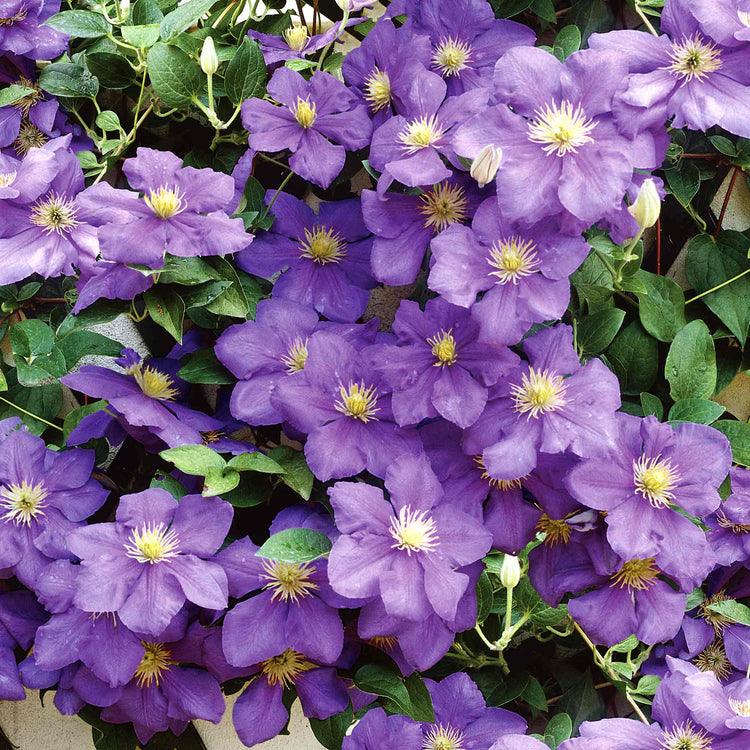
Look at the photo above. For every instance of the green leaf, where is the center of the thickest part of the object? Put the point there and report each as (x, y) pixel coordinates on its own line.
(13, 93)
(633, 357)
(201, 295)
(566, 42)
(103, 311)
(218, 481)
(661, 307)
(550, 615)
(3, 382)
(485, 597)
(544, 9)
(245, 76)
(252, 490)
(738, 434)
(420, 698)
(559, 728)
(194, 459)
(43, 401)
(581, 701)
(170, 484)
(691, 363)
(723, 145)
(146, 12)
(684, 181)
(733, 610)
(68, 79)
(624, 647)
(182, 17)
(295, 546)
(82, 24)
(203, 367)
(175, 77)
(710, 262)
(509, 689)
(534, 695)
(591, 16)
(698, 410)
(648, 684)
(141, 36)
(112, 71)
(297, 474)
(331, 732)
(80, 343)
(593, 284)
(378, 680)
(186, 271)
(233, 302)
(652, 405)
(32, 337)
(256, 461)
(509, 8)
(108, 120)
(594, 333)
(166, 309)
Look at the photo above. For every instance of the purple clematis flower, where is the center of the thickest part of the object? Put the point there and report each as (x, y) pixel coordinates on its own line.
(20, 617)
(44, 496)
(681, 75)
(23, 30)
(339, 400)
(47, 234)
(466, 40)
(107, 280)
(730, 524)
(376, 730)
(523, 273)
(655, 470)
(562, 154)
(437, 366)
(318, 121)
(24, 180)
(153, 558)
(408, 551)
(404, 225)
(548, 405)
(327, 255)
(408, 147)
(181, 211)
(725, 21)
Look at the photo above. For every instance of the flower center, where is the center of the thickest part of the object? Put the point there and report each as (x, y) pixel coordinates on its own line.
(443, 738)
(420, 133)
(296, 37)
(288, 580)
(735, 528)
(500, 484)
(715, 619)
(744, 17)
(29, 136)
(713, 658)
(285, 668)
(451, 56)
(295, 358)
(153, 543)
(414, 531)
(166, 202)
(7, 179)
(540, 391)
(55, 213)
(693, 58)
(304, 112)
(358, 401)
(19, 16)
(685, 737)
(563, 129)
(556, 530)
(443, 206)
(655, 479)
(212, 436)
(323, 245)
(378, 90)
(512, 258)
(154, 663)
(154, 384)
(636, 574)
(23, 503)
(28, 101)
(443, 348)
(383, 642)
(741, 708)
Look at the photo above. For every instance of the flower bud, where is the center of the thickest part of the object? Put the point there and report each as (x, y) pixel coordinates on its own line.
(296, 37)
(484, 167)
(647, 205)
(209, 60)
(510, 573)
(124, 9)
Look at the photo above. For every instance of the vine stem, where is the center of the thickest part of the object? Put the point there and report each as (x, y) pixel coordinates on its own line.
(644, 18)
(718, 286)
(276, 194)
(726, 201)
(28, 413)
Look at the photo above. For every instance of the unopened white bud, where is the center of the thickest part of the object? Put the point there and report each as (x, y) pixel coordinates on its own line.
(485, 166)
(124, 9)
(344, 4)
(209, 60)
(510, 572)
(647, 205)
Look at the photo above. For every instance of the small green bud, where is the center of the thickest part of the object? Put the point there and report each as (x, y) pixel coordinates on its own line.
(510, 572)
(647, 205)
(209, 60)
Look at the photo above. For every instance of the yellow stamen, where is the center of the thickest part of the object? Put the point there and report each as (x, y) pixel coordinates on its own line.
(154, 384)
(17, 17)
(741, 708)
(55, 213)
(296, 37)
(154, 663)
(414, 531)
(304, 112)
(735, 528)
(23, 503)
(211, 436)
(715, 619)
(500, 484)
(713, 658)
(166, 202)
(378, 90)
(563, 129)
(636, 574)
(29, 136)
(323, 245)
(655, 479)
(693, 58)
(295, 358)
(685, 737)
(744, 17)
(383, 642)
(27, 102)
(443, 206)
(420, 133)
(556, 530)
(288, 580)
(153, 543)
(7, 179)
(443, 738)
(358, 401)
(540, 391)
(285, 668)
(443, 348)
(451, 56)
(513, 258)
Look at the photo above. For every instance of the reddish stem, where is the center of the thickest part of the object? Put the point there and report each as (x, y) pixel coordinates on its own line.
(726, 201)
(658, 246)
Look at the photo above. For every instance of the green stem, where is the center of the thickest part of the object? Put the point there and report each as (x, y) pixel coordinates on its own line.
(491, 646)
(327, 49)
(28, 413)
(210, 87)
(718, 286)
(509, 608)
(644, 18)
(603, 258)
(276, 194)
